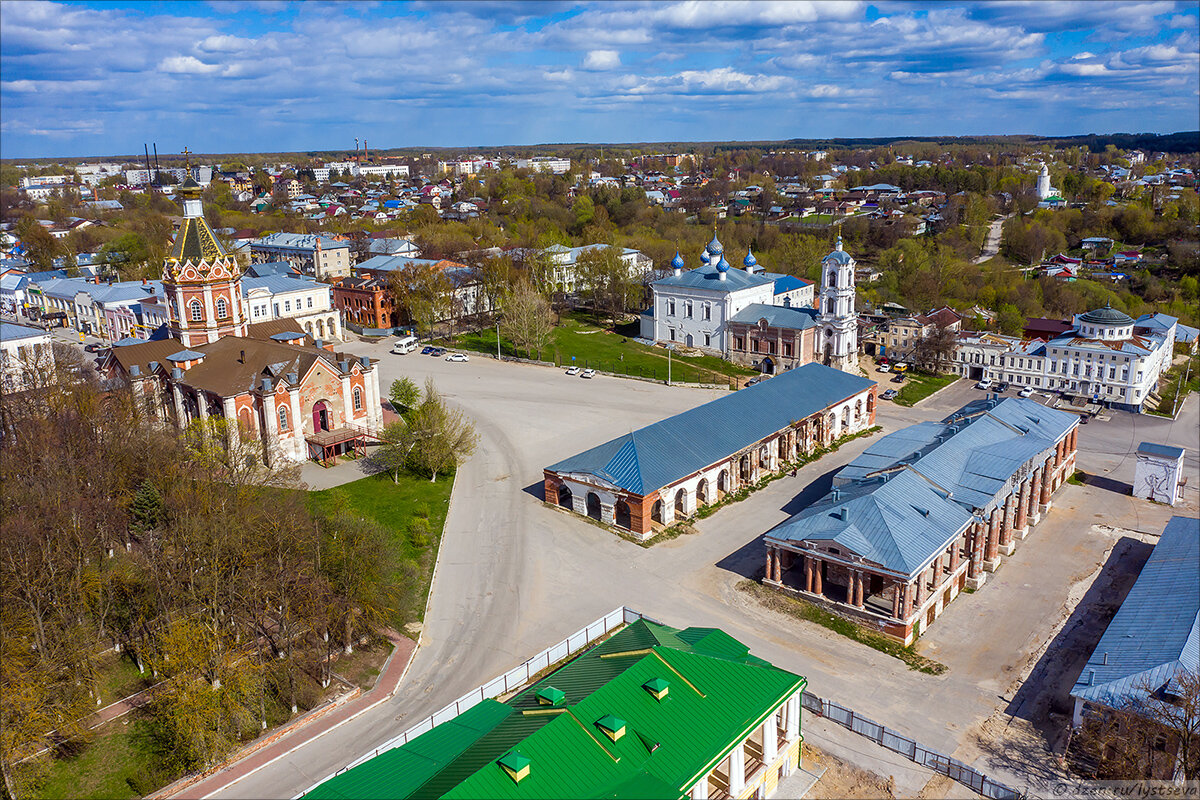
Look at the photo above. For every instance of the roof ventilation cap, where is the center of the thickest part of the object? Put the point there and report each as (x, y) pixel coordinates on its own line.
(549, 696)
(613, 727)
(659, 687)
(515, 765)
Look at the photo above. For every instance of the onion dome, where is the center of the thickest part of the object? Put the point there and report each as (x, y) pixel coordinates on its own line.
(715, 248)
(677, 261)
(749, 260)
(838, 246)
(704, 256)
(722, 265)
(1107, 316)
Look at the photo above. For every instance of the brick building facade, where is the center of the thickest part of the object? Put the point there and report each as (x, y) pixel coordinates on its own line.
(924, 513)
(664, 472)
(366, 301)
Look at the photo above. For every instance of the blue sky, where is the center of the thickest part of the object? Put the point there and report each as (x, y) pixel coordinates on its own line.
(96, 78)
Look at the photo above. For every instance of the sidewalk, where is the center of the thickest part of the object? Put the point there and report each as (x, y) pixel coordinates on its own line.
(278, 744)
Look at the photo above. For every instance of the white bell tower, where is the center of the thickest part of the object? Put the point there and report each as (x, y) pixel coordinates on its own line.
(837, 343)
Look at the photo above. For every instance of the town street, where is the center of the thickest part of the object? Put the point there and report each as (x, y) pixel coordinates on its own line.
(515, 576)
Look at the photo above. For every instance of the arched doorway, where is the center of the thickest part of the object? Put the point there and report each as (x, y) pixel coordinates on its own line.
(723, 481)
(564, 496)
(870, 403)
(858, 411)
(320, 416)
(831, 426)
(681, 503)
(245, 421)
(593, 505)
(689, 340)
(744, 469)
(622, 514)
(767, 366)
(656, 511)
(702, 492)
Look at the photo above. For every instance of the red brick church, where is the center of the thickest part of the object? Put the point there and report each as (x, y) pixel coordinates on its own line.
(296, 396)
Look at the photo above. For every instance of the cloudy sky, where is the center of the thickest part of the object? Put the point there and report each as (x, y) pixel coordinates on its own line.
(94, 78)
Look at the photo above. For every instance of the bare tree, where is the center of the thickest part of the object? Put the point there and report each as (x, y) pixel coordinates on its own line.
(526, 319)
(445, 437)
(935, 352)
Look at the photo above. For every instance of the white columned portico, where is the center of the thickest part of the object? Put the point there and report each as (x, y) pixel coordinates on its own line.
(770, 740)
(737, 769)
(700, 790)
(299, 447)
(792, 727)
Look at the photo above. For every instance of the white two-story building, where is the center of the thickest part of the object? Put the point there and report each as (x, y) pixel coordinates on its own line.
(693, 307)
(1108, 357)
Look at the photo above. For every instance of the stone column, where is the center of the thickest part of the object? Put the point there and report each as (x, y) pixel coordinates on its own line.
(770, 740)
(818, 586)
(856, 588)
(976, 576)
(808, 573)
(778, 566)
(700, 789)
(608, 513)
(1035, 496)
(897, 597)
(792, 726)
(991, 554)
(1021, 527)
(202, 405)
(1006, 524)
(907, 609)
(737, 769)
(348, 399)
(1047, 477)
(180, 409)
(271, 429)
(954, 555)
(920, 590)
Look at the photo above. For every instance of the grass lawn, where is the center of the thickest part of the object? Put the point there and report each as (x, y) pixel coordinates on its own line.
(119, 677)
(414, 510)
(121, 762)
(1172, 385)
(919, 385)
(578, 336)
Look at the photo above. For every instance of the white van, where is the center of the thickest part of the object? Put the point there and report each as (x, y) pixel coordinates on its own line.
(404, 345)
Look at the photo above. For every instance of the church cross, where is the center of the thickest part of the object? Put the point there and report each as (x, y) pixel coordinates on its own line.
(186, 153)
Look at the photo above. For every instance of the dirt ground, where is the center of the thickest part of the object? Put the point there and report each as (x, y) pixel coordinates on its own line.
(843, 780)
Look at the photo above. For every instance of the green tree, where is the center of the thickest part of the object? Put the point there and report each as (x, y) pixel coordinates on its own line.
(425, 293)
(607, 280)
(445, 436)
(526, 319)
(404, 394)
(1010, 320)
(41, 249)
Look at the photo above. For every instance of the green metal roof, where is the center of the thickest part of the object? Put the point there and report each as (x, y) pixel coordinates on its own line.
(663, 752)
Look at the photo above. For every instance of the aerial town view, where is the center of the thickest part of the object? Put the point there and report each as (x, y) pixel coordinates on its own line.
(647, 399)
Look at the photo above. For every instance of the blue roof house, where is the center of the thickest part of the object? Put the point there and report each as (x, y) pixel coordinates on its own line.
(656, 475)
(925, 512)
(1151, 649)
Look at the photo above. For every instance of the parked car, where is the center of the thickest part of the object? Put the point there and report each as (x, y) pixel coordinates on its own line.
(91, 348)
(883, 360)
(885, 367)
(573, 371)
(1026, 392)
(900, 367)
(753, 381)
(1002, 386)
(426, 350)
(588, 373)
(984, 384)
(457, 357)
(889, 394)
(1083, 418)
(438, 352)
(899, 378)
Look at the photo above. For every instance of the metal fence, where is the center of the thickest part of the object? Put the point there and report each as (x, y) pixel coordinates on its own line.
(886, 737)
(503, 684)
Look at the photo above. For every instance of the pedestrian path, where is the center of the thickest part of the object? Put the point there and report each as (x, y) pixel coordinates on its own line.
(320, 721)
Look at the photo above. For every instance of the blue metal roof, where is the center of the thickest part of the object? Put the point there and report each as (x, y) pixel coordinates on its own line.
(1156, 631)
(708, 277)
(657, 455)
(1166, 450)
(11, 332)
(911, 492)
(900, 521)
(185, 355)
(788, 283)
(279, 284)
(798, 319)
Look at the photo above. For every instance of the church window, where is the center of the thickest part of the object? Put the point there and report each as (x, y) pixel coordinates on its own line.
(708, 311)
(287, 305)
(687, 309)
(222, 308)
(197, 310)
(832, 280)
(277, 309)
(671, 308)
(672, 332)
(707, 340)
(738, 344)
(283, 418)
(787, 349)
(754, 345)
(357, 399)
(310, 302)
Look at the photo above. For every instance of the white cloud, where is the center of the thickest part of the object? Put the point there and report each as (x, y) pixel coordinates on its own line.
(187, 65)
(602, 59)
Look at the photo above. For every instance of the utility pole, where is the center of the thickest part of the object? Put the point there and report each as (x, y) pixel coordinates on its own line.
(668, 365)
(498, 339)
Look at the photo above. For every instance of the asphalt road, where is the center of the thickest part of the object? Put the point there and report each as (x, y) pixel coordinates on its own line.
(515, 576)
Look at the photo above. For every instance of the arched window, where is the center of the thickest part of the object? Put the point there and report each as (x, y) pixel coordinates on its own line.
(222, 308)
(283, 418)
(357, 399)
(832, 282)
(197, 310)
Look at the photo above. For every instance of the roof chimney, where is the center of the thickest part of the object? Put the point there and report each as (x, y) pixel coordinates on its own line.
(266, 384)
(242, 357)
